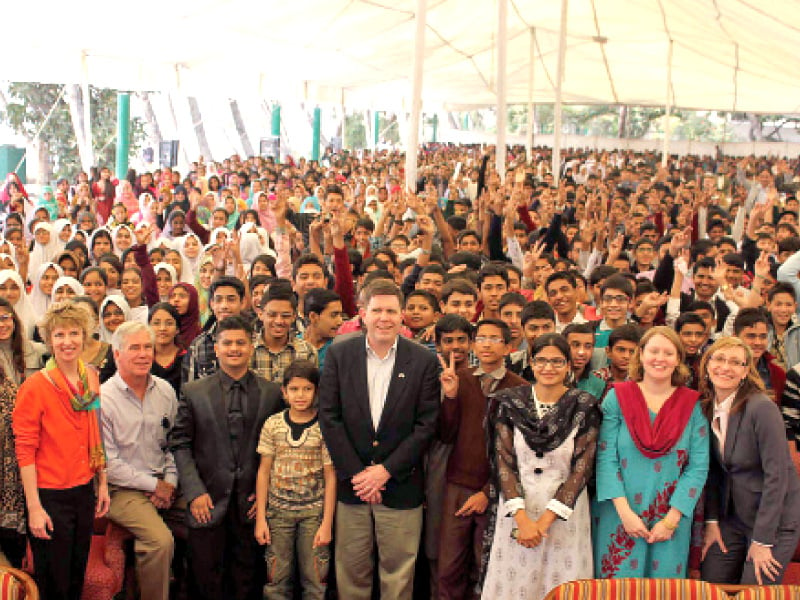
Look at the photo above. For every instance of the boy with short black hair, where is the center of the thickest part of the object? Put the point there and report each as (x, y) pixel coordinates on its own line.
(693, 331)
(616, 298)
(420, 311)
(581, 340)
(537, 318)
(459, 297)
(752, 326)
(784, 331)
(295, 489)
(510, 309)
(622, 344)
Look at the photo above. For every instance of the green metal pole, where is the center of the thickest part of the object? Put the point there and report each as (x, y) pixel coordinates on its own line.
(315, 134)
(123, 133)
(276, 119)
(377, 128)
(435, 126)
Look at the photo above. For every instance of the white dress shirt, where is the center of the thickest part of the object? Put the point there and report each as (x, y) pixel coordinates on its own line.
(379, 376)
(719, 424)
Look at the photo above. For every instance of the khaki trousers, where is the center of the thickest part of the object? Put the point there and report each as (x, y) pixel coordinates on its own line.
(397, 534)
(154, 544)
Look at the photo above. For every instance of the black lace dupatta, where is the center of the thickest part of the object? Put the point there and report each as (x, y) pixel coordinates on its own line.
(514, 409)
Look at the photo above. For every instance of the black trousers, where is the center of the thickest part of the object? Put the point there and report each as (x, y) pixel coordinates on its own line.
(733, 567)
(60, 562)
(226, 561)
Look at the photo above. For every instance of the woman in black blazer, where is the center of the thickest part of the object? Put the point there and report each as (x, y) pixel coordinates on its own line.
(752, 510)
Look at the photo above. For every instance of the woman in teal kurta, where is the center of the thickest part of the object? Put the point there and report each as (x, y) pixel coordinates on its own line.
(652, 463)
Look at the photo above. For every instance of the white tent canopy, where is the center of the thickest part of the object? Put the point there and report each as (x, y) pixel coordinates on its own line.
(727, 54)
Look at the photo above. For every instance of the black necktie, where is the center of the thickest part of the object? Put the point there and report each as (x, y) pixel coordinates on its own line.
(236, 420)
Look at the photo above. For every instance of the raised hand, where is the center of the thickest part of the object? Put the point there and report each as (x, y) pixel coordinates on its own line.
(720, 270)
(615, 247)
(143, 234)
(425, 225)
(762, 265)
(448, 377)
(679, 241)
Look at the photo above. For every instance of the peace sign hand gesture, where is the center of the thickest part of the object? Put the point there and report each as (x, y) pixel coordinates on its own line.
(448, 377)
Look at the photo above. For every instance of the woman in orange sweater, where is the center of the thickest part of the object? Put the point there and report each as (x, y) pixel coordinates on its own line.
(61, 456)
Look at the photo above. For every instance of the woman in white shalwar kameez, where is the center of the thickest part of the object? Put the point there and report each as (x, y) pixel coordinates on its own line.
(542, 443)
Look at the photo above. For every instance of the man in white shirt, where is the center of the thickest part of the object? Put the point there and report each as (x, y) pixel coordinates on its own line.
(139, 409)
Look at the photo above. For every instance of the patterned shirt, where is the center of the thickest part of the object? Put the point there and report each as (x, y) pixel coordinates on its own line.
(271, 365)
(296, 481)
(201, 360)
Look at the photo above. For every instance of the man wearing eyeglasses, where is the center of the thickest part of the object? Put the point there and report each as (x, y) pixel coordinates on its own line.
(461, 420)
(276, 347)
(139, 410)
(616, 297)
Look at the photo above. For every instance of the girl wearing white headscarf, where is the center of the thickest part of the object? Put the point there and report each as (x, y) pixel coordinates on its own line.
(65, 288)
(45, 246)
(123, 238)
(42, 283)
(217, 233)
(63, 232)
(191, 255)
(253, 241)
(20, 301)
(7, 261)
(166, 278)
(110, 322)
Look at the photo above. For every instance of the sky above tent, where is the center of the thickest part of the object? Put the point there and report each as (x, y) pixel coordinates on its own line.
(726, 54)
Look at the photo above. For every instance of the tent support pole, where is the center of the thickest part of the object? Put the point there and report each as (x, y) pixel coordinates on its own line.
(531, 121)
(123, 133)
(562, 50)
(502, 109)
(668, 109)
(315, 131)
(275, 128)
(412, 141)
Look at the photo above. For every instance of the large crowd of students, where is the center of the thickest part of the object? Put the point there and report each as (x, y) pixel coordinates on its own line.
(304, 375)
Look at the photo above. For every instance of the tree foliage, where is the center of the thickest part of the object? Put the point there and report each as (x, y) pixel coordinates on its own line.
(28, 107)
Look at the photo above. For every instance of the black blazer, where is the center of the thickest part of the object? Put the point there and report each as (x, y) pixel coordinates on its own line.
(407, 425)
(201, 444)
(754, 477)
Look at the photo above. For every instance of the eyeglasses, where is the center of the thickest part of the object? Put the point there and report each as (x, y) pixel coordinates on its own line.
(731, 362)
(5, 317)
(621, 299)
(542, 362)
(489, 339)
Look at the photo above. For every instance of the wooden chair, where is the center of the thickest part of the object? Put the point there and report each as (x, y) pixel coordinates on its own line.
(17, 585)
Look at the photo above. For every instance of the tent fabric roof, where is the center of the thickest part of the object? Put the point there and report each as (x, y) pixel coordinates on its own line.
(727, 54)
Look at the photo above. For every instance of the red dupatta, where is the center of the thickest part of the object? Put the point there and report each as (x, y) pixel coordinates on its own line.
(655, 438)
